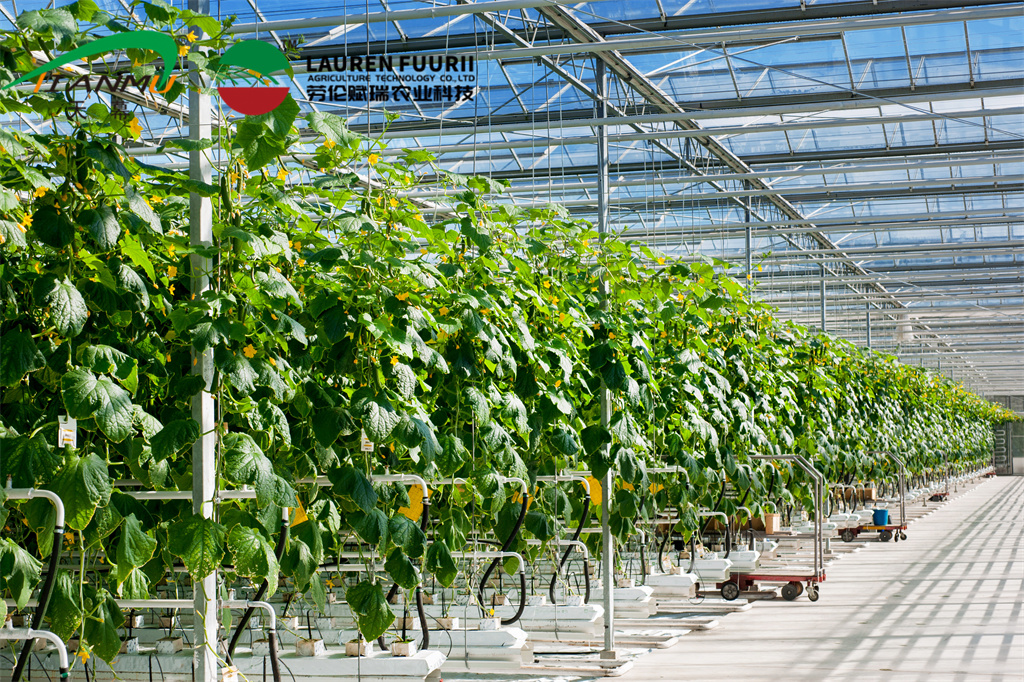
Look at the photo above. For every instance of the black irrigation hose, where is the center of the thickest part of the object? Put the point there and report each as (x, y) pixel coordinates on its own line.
(568, 550)
(44, 601)
(424, 521)
(522, 574)
(282, 541)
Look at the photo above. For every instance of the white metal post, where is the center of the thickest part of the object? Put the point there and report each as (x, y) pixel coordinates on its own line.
(608, 543)
(204, 469)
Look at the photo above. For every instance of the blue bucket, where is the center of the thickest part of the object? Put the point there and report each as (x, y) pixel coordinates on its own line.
(881, 517)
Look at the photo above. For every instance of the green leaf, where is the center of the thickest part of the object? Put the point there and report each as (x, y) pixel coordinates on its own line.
(28, 461)
(86, 396)
(440, 563)
(281, 118)
(174, 438)
(407, 535)
(259, 147)
(58, 22)
(401, 569)
(103, 226)
(135, 585)
(515, 411)
(593, 437)
(405, 379)
(378, 417)
(19, 572)
(65, 612)
(135, 548)
(132, 247)
(373, 614)
(108, 360)
(253, 557)
(372, 527)
(18, 356)
(332, 127)
(349, 483)
(563, 438)
(101, 626)
(199, 542)
(67, 307)
(245, 464)
(478, 405)
(52, 227)
(11, 235)
(300, 563)
(83, 485)
(137, 205)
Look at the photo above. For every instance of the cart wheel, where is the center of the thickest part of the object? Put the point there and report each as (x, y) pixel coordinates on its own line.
(885, 535)
(848, 535)
(903, 536)
(791, 591)
(800, 588)
(812, 592)
(730, 591)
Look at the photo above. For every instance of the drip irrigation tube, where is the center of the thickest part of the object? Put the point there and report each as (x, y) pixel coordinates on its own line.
(568, 550)
(51, 570)
(282, 541)
(31, 635)
(522, 575)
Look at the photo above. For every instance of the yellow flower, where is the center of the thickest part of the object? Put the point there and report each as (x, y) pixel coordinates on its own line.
(664, 334)
(402, 296)
(558, 383)
(554, 300)
(249, 351)
(561, 318)
(300, 262)
(136, 178)
(82, 654)
(171, 288)
(661, 261)
(443, 310)
(40, 191)
(547, 285)
(330, 144)
(611, 335)
(157, 200)
(419, 217)
(272, 361)
(26, 222)
(182, 50)
(394, 202)
(282, 174)
(273, 316)
(373, 159)
(442, 335)
(330, 584)
(61, 151)
(394, 360)
(424, 251)
(168, 357)
(191, 36)
(172, 271)
(135, 126)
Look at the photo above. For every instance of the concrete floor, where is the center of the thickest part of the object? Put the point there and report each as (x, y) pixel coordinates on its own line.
(944, 605)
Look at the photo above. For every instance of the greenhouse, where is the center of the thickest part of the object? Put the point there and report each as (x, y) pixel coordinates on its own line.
(516, 340)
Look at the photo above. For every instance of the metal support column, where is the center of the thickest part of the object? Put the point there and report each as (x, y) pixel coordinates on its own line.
(822, 292)
(867, 322)
(746, 219)
(204, 469)
(607, 542)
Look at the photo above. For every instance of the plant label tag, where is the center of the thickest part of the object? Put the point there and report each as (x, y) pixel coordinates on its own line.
(365, 444)
(67, 431)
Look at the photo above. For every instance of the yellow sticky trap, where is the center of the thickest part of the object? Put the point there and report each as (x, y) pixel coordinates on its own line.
(595, 490)
(517, 496)
(415, 508)
(299, 515)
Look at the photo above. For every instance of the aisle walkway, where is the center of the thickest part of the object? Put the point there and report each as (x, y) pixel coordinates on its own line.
(945, 605)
